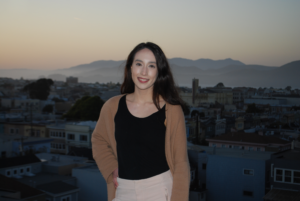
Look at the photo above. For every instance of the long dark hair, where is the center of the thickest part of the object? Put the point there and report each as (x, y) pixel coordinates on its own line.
(164, 84)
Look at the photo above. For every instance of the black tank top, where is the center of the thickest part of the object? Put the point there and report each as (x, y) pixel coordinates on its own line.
(140, 143)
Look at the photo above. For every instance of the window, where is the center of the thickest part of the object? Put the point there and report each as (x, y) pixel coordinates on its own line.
(248, 193)
(203, 166)
(66, 198)
(3, 154)
(17, 130)
(296, 179)
(38, 133)
(223, 145)
(15, 171)
(8, 173)
(230, 146)
(83, 138)
(12, 130)
(28, 169)
(248, 172)
(71, 137)
(287, 176)
(21, 171)
(213, 145)
(236, 147)
(60, 134)
(64, 134)
(258, 149)
(250, 148)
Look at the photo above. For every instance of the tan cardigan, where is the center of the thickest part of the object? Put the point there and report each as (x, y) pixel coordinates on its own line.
(105, 151)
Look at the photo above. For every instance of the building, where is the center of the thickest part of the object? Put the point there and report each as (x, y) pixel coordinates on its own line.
(11, 189)
(79, 134)
(249, 142)
(284, 176)
(218, 94)
(29, 105)
(91, 183)
(31, 145)
(6, 146)
(72, 80)
(25, 129)
(17, 167)
(57, 133)
(60, 164)
(231, 174)
(195, 89)
(265, 101)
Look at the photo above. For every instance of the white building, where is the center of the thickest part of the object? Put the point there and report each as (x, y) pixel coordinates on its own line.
(79, 134)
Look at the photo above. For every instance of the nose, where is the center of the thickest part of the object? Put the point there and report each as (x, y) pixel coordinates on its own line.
(144, 70)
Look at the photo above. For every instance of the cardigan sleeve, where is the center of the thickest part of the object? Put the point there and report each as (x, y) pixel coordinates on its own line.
(181, 175)
(101, 147)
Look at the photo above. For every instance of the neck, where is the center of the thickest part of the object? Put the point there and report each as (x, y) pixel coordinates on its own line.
(143, 96)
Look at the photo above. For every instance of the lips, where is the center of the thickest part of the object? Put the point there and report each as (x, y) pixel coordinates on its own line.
(142, 80)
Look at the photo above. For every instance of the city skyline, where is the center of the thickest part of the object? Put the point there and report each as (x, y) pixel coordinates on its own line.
(53, 35)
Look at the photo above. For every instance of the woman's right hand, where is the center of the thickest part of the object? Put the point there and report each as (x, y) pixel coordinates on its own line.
(115, 175)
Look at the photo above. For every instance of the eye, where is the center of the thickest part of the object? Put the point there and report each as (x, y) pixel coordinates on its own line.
(152, 66)
(138, 64)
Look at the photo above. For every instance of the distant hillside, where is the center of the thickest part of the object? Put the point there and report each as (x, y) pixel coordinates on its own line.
(231, 75)
(98, 64)
(205, 63)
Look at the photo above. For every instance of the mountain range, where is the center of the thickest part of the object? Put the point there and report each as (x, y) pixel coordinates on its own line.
(209, 72)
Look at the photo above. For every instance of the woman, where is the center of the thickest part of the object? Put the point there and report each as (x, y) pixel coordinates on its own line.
(139, 142)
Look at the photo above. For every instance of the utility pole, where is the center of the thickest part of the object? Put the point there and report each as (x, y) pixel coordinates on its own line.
(197, 130)
(31, 130)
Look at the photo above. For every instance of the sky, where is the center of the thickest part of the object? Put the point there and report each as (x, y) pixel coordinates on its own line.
(40, 34)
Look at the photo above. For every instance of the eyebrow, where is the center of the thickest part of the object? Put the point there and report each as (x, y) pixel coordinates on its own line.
(142, 61)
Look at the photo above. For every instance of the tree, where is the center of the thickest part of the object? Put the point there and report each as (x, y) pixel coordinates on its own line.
(39, 89)
(48, 108)
(220, 85)
(288, 88)
(86, 108)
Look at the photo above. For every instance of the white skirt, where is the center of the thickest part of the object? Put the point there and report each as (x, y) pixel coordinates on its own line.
(156, 188)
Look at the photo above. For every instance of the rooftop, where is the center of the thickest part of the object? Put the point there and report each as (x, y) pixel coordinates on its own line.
(19, 160)
(291, 154)
(60, 160)
(44, 178)
(57, 187)
(243, 137)
(13, 186)
(238, 153)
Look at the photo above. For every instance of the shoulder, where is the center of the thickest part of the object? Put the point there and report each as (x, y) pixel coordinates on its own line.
(112, 103)
(174, 113)
(174, 109)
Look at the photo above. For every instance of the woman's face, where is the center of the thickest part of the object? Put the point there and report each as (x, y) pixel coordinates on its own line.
(144, 69)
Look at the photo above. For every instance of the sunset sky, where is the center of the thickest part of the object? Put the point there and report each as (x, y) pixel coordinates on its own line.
(40, 34)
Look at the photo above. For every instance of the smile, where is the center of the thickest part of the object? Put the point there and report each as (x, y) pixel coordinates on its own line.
(143, 80)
